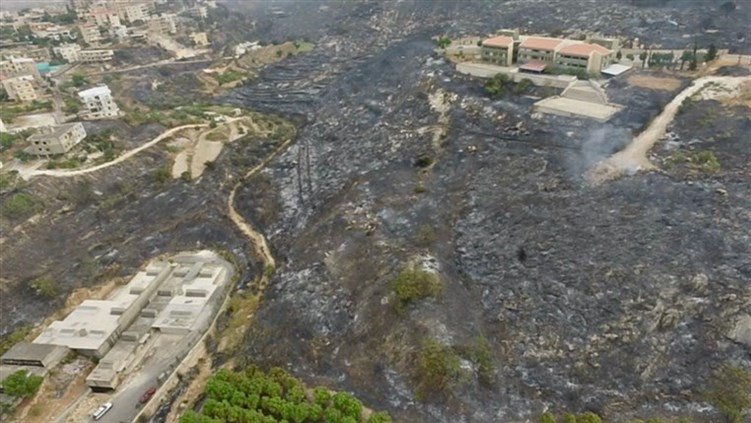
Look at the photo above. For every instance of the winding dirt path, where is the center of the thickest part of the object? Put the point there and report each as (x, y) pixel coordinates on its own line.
(634, 158)
(65, 173)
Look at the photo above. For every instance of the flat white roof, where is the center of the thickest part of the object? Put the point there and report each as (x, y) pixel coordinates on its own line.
(100, 90)
(616, 69)
(196, 285)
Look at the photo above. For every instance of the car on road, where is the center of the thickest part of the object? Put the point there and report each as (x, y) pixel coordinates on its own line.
(101, 411)
(147, 395)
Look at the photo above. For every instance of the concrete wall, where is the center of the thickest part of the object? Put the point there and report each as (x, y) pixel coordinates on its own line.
(483, 70)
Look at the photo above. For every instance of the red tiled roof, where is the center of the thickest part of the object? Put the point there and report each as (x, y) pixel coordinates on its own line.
(533, 66)
(539, 43)
(583, 50)
(499, 41)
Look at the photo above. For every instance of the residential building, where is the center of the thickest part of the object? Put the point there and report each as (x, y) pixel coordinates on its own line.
(610, 43)
(163, 24)
(201, 12)
(81, 5)
(38, 54)
(51, 31)
(200, 38)
(539, 49)
(16, 66)
(103, 17)
(99, 102)
(35, 355)
(90, 33)
(68, 52)
(132, 12)
(91, 56)
(21, 88)
(587, 57)
(119, 31)
(498, 50)
(56, 139)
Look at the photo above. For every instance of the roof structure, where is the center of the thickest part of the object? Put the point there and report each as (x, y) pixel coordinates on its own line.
(28, 352)
(100, 90)
(616, 69)
(583, 50)
(499, 41)
(541, 43)
(54, 131)
(533, 66)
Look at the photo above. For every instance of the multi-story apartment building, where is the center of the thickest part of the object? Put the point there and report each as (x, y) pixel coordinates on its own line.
(498, 50)
(99, 102)
(38, 54)
(588, 57)
(101, 17)
(90, 33)
(132, 11)
(539, 49)
(21, 88)
(90, 56)
(56, 139)
(163, 24)
(15, 66)
(68, 52)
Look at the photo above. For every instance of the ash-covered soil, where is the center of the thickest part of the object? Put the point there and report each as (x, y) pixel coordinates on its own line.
(618, 299)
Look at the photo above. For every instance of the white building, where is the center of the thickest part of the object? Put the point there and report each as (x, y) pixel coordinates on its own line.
(119, 31)
(68, 52)
(135, 12)
(99, 102)
(90, 33)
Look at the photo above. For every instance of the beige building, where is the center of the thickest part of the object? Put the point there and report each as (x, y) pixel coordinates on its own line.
(56, 139)
(591, 58)
(498, 50)
(134, 11)
(200, 38)
(38, 54)
(163, 24)
(15, 66)
(101, 17)
(91, 56)
(68, 52)
(90, 33)
(538, 49)
(21, 88)
(99, 102)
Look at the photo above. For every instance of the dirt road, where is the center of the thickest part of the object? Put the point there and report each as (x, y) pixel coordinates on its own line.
(63, 173)
(634, 157)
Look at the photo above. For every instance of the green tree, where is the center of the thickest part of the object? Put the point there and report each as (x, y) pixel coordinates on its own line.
(619, 55)
(21, 384)
(588, 417)
(547, 418)
(380, 417)
(497, 84)
(693, 64)
(443, 42)
(711, 53)
(569, 418)
(643, 57)
(44, 286)
(730, 393)
(687, 56)
(438, 365)
(79, 79)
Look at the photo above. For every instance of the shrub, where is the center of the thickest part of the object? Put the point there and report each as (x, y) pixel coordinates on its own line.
(425, 236)
(437, 366)
(347, 404)
(547, 418)
(380, 417)
(22, 385)
(44, 286)
(483, 357)
(13, 338)
(162, 175)
(415, 284)
(730, 393)
(423, 161)
(20, 205)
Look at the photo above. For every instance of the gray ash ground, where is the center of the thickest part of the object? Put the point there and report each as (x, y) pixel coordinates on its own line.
(617, 298)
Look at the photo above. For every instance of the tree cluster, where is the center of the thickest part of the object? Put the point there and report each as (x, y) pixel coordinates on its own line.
(22, 384)
(253, 396)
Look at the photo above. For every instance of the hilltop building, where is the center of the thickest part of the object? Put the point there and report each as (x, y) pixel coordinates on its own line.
(90, 33)
(163, 24)
(200, 38)
(16, 66)
(91, 56)
(21, 88)
(534, 54)
(68, 52)
(56, 139)
(498, 50)
(99, 102)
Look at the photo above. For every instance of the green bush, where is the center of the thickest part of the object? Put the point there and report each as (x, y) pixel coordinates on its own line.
(414, 284)
(22, 385)
(730, 393)
(20, 205)
(547, 418)
(44, 286)
(380, 417)
(438, 366)
(13, 338)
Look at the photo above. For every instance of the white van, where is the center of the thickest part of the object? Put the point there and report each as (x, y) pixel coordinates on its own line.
(102, 410)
